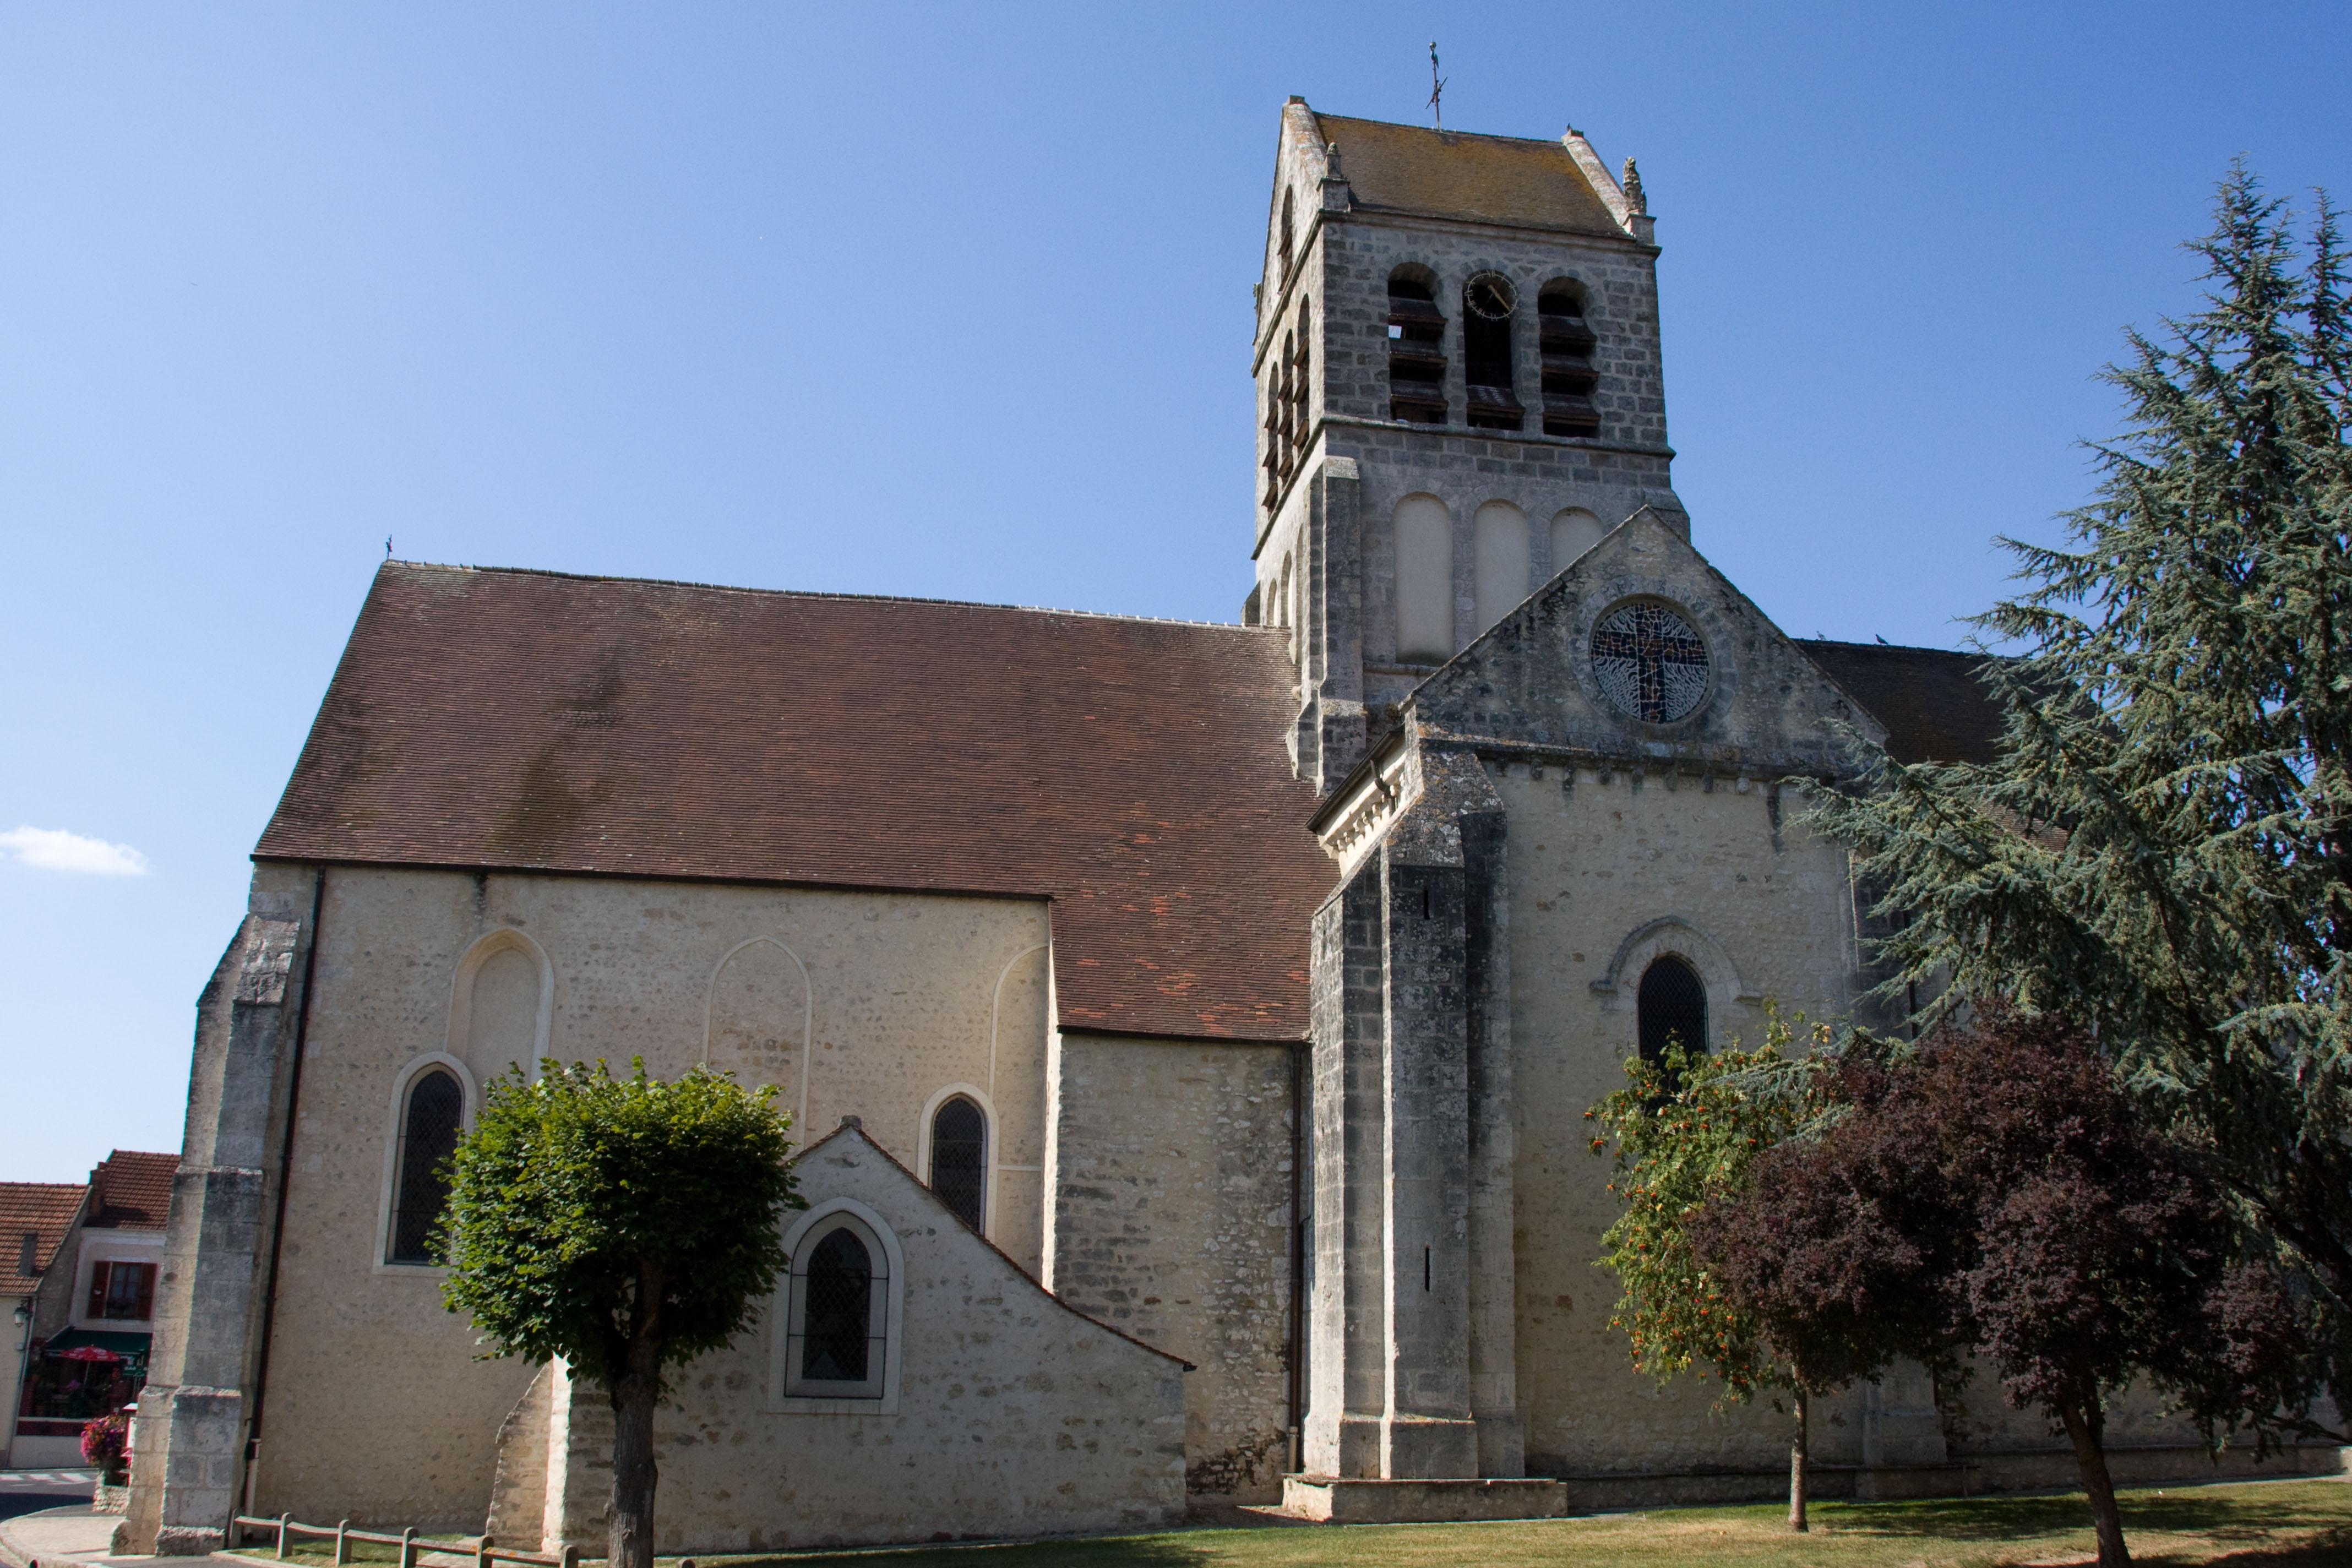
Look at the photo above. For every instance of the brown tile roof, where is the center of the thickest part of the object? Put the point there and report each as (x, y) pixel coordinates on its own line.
(1930, 699)
(1130, 771)
(46, 1211)
(1452, 174)
(131, 1190)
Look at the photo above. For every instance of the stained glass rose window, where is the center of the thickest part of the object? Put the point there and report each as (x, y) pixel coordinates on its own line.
(1649, 662)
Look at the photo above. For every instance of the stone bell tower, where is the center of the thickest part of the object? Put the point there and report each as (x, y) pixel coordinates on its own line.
(1458, 393)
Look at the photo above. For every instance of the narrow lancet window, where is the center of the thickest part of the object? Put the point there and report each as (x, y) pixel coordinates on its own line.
(428, 1135)
(959, 1159)
(1672, 1008)
(840, 1311)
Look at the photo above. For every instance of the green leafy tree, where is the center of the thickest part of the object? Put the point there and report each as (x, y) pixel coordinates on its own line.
(1688, 1129)
(626, 1225)
(2162, 851)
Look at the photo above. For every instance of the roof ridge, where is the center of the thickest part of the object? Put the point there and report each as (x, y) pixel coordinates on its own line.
(1440, 130)
(1899, 646)
(821, 593)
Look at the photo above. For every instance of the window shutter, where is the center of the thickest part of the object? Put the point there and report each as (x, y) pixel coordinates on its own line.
(97, 1281)
(146, 1290)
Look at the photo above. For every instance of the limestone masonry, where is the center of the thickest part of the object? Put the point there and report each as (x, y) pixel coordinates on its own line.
(1189, 1026)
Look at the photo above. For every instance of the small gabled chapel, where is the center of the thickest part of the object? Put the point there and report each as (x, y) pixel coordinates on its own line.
(1188, 1026)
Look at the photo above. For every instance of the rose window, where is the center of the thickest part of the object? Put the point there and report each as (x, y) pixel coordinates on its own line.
(1649, 662)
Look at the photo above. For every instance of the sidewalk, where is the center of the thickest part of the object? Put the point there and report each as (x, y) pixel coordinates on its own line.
(58, 1536)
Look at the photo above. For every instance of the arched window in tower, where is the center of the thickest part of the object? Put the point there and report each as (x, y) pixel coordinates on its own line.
(1298, 381)
(1272, 442)
(1567, 343)
(1672, 1006)
(429, 1124)
(1287, 205)
(1285, 436)
(960, 1159)
(1416, 352)
(1488, 301)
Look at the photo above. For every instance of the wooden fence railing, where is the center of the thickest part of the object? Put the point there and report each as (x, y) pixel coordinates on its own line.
(482, 1550)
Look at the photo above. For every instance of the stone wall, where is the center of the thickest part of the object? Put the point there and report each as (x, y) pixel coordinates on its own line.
(1011, 1415)
(1171, 1222)
(871, 1005)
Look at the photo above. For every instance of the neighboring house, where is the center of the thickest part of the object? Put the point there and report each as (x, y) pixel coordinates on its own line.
(35, 1218)
(89, 1298)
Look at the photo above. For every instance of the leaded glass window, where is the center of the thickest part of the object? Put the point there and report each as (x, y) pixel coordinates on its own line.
(840, 1309)
(959, 1159)
(837, 1334)
(428, 1136)
(1649, 662)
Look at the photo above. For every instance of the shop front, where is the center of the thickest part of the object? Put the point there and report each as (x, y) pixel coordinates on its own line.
(71, 1379)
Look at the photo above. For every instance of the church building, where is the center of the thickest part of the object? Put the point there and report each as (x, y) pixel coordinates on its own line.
(1187, 1026)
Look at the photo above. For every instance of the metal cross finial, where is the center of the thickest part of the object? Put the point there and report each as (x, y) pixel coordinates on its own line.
(1436, 89)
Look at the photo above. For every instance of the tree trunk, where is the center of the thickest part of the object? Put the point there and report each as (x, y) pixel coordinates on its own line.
(636, 1389)
(1796, 1456)
(2086, 1429)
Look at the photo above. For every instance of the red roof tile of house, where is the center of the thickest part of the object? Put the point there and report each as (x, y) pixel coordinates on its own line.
(1130, 771)
(42, 1210)
(131, 1190)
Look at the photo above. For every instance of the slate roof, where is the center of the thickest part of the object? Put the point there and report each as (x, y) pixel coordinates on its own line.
(131, 1190)
(1130, 771)
(47, 1210)
(1456, 173)
(1930, 699)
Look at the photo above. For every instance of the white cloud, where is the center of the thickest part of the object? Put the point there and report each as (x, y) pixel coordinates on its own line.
(55, 849)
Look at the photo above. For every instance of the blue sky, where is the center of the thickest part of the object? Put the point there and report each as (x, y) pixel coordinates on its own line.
(933, 300)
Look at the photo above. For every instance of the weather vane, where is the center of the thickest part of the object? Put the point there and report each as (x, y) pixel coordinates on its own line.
(1436, 89)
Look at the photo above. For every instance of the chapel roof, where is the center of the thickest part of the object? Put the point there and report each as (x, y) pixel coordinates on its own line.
(1127, 770)
(131, 1190)
(1933, 701)
(1462, 174)
(43, 1210)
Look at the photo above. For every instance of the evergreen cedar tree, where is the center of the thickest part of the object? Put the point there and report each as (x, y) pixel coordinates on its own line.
(1688, 1128)
(1995, 1195)
(2160, 851)
(626, 1225)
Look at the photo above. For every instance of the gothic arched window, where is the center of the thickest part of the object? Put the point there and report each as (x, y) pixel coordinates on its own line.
(837, 1333)
(960, 1159)
(1672, 1007)
(1286, 232)
(429, 1125)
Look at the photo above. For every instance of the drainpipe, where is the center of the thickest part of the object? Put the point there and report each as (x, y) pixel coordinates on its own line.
(285, 1181)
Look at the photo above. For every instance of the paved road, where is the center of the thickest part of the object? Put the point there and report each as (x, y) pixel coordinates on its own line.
(29, 1491)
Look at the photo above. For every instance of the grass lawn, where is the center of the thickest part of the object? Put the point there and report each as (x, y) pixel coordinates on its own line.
(2262, 1525)
(2270, 1524)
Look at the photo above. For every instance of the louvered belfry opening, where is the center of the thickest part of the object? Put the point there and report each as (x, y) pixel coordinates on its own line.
(1567, 343)
(838, 1319)
(1416, 353)
(1489, 304)
(959, 1159)
(428, 1135)
(1672, 1007)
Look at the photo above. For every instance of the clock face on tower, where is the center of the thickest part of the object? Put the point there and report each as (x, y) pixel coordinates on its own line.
(1649, 662)
(1491, 295)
